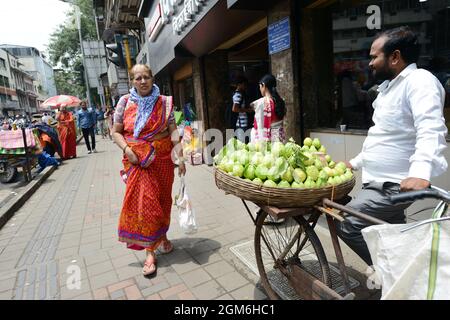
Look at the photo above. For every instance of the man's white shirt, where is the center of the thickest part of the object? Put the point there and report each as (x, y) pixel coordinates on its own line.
(408, 138)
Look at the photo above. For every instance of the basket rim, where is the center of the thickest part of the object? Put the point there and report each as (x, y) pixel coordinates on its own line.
(262, 188)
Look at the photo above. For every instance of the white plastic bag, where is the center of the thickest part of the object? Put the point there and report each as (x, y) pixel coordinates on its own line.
(414, 264)
(186, 214)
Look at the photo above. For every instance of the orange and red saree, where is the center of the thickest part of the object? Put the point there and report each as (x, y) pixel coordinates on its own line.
(67, 134)
(145, 217)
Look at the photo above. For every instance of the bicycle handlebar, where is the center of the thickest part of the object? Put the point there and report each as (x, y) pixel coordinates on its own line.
(421, 194)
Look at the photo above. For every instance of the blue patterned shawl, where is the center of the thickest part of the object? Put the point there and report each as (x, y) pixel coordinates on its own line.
(145, 108)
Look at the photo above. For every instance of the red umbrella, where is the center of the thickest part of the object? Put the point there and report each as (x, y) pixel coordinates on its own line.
(61, 101)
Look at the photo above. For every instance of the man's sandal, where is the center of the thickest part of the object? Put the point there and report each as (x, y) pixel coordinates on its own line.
(149, 268)
(165, 247)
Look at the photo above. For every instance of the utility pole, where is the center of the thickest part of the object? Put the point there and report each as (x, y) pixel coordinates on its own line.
(86, 79)
(100, 85)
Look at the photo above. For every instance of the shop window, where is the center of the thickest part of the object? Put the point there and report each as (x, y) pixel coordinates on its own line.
(355, 86)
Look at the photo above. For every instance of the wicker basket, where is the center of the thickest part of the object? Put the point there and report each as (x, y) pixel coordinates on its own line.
(279, 197)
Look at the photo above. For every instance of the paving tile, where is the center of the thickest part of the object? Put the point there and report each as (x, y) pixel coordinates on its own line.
(84, 296)
(90, 239)
(177, 255)
(6, 295)
(195, 277)
(186, 295)
(165, 294)
(172, 277)
(118, 294)
(208, 290)
(99, 268)
(199, 248)
(123, 261)
(103, 280)
(68, 252)
(89, 248)
(118, 252)
(184, 266)
(225, 297)
(154, 296)
(71, 273)
(95, 258)
(133, 293)
(90, 232)
(101, 294)
(232, 281)
(144, 282)
(120, 285)
(207, 258)
(248, 292)
(8, 265)
(219, 268)
(127, 272)
(155, 288)
(72, 292)
(7, 284)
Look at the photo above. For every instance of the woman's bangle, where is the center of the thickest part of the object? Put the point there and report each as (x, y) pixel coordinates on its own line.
(124, 148)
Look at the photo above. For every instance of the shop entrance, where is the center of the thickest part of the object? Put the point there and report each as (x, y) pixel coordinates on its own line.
(186, 98)
(250, 59)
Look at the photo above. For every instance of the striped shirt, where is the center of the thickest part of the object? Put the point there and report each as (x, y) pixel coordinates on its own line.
(239, 99)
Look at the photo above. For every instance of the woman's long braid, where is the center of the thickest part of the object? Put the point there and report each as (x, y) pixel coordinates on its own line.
(280, 107)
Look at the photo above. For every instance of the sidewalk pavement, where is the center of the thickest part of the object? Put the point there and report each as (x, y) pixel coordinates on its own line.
(62, 244)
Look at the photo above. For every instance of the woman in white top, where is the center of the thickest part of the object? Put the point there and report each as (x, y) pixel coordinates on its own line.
(269, 112)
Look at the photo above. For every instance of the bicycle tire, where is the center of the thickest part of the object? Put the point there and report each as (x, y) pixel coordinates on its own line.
(10, 175)
(324, 269)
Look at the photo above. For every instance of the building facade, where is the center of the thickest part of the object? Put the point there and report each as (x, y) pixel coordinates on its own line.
(9, 103)
(317, 50)
(34, 63)
(19, 93)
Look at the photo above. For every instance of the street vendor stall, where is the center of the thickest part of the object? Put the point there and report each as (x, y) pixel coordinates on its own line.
(18, 148)
(289, 183)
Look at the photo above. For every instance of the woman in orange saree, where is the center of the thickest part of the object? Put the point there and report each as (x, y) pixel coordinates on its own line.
(143, 126)
(67, 134)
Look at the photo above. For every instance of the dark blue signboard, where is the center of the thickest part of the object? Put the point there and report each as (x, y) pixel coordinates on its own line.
(279, 36)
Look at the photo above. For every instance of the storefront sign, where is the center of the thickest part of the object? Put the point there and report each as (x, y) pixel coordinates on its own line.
(279, 34)
(156, 24)
(168, 8)
(189, 10)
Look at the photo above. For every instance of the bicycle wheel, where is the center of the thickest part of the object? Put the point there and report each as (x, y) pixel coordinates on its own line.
(306, 252)
(9, 174)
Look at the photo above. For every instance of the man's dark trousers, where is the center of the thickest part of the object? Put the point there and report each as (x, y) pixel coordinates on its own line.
(86, 133)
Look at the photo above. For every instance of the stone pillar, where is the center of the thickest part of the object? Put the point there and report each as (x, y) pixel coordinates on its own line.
(316, 67)
(218, 93)
(284, 68)
(199, 90)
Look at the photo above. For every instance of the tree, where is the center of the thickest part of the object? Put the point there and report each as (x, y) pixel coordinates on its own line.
(65, 51)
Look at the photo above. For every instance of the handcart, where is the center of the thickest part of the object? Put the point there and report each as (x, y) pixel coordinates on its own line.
(18, 148)
(292, 248)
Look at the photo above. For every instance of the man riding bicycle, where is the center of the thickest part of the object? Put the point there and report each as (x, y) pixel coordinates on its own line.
(404, 148)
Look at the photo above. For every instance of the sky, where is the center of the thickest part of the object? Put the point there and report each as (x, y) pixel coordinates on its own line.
(30, 22)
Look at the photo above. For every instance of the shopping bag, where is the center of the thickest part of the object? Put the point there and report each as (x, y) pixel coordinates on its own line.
(186, 214)
(412, 263)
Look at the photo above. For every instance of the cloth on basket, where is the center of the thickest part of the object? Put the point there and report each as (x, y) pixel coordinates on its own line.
(13, 139)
